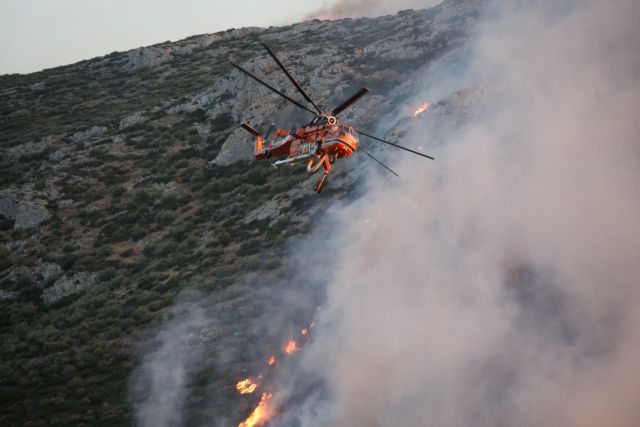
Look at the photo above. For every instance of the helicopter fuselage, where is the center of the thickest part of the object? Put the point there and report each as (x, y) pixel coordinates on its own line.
(319, 145)
(337, 140)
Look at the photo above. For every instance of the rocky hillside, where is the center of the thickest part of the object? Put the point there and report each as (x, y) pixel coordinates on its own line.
(125, 183)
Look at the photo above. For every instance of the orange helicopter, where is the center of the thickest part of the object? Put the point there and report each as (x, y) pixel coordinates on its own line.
(320, 142)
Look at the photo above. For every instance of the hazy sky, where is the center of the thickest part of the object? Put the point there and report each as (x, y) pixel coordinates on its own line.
(37, 34)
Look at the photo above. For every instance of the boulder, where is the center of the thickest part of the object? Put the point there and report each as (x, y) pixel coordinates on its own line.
(37, 273)
(9, 200)
(68, 286)
(48, 269)
(237, 147)
(203, 131)
(6, 295)
(31, 213)
(83, 136)
(165, 188)
(132, 120)
(150, 56)
(28, 149)
(21, 206)
(61, 153)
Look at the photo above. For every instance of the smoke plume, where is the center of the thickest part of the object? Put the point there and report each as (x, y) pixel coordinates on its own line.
(160, 384)
(498, 286)
(361, 8)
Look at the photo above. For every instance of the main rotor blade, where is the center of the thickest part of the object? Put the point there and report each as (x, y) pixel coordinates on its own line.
(379, 162)
(293, 80)
(293, 101)
(394, 145)
(340, 108)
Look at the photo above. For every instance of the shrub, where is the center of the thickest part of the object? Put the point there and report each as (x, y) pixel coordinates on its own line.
(161, 249)
(87, 263)
(165, 217)
(108, 274)
(118, 192)
(249, 247)
(127, 253)
(170, 202)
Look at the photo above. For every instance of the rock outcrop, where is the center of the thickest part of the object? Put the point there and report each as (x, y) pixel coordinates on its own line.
(156, 55)
(68, 285)
(29, 149)
(38, 273)
(31, 213)
(132, 120)
(85, 135)
(6, 295)
(150, 56)
(23, 207)
(237, 147)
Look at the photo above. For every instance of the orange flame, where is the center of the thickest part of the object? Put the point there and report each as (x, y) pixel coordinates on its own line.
(304, 331)
(421, 109)
(246, 386)
(271, 361)
(260, 414)
(291, 347)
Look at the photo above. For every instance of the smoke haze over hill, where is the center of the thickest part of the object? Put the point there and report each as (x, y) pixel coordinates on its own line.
(358, 8)
(498, 285)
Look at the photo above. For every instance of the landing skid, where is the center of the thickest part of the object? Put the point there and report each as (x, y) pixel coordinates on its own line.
(320, 184)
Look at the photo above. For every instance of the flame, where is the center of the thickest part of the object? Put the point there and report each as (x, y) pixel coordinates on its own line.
(291, 347)
(421, 109)
(263, 412)
(328, 16)
(260, 414)
(246, 386)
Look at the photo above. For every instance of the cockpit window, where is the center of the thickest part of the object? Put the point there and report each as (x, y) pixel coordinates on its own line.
(348, 129)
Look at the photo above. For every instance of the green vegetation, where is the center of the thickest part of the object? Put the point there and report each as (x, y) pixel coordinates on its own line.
(149, 225)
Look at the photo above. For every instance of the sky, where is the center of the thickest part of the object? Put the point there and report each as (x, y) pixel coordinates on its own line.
(38, 34)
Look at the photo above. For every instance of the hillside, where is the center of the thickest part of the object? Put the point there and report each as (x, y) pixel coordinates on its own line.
(125, 185)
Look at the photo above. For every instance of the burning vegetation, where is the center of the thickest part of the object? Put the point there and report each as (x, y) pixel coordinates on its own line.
(246, 386)
(265, 409)
(421, 109)
(261, 414)
(291, 347)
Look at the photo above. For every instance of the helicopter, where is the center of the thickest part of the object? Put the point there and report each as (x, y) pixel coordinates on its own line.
(320, 142)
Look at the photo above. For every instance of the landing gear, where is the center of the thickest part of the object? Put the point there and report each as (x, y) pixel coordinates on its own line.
(324, 160)
(318, 187)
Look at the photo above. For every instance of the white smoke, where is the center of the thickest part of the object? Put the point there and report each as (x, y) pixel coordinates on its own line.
(159, 385)
(367, 8)
(499, 285)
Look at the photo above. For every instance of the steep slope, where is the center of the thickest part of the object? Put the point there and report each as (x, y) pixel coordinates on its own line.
(125, 182)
